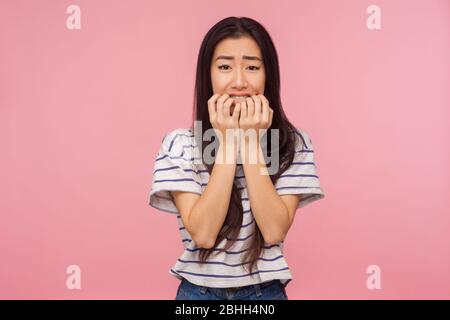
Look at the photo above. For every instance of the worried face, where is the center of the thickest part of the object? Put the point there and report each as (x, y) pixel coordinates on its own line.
(237, 69)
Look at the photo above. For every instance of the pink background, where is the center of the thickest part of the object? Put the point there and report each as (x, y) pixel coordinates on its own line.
(82, 114)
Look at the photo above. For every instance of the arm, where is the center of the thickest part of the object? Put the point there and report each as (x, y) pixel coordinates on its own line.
(203, 216)
(274, 214)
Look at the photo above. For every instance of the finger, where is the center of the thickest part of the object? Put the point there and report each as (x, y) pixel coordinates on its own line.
(263, 98)
(222, 98)
(212, 106)
(258, 105)
(265, 111)
(227, 106)
(220, 106)
(236, 112)
(251, 106)
(243, 107)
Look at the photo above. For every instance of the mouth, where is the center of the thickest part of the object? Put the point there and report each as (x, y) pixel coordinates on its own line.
(239, 98)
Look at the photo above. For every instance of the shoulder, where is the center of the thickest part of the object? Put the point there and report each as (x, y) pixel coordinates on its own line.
(302, 140)
(176, 140)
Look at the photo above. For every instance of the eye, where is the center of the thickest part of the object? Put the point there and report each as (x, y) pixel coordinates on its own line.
(225, 65)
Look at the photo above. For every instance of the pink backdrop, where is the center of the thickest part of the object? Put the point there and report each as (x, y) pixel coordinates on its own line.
(82, 114)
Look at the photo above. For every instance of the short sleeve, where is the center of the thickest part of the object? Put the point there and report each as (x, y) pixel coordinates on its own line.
(301, 177)
(173, 171)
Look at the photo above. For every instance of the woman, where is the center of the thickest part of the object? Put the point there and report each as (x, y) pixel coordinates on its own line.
(233, 217)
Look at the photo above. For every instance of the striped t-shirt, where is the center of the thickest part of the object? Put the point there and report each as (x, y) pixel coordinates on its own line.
(175, 170)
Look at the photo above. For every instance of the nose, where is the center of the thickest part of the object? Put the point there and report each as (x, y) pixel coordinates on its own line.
(239, 79)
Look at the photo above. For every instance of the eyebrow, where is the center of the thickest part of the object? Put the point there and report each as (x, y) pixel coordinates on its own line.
(243, 57)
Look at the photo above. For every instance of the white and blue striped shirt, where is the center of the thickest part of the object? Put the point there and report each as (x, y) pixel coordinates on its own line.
(175, 170)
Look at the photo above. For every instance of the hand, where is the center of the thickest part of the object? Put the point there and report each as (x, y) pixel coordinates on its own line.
(255, 114)
(219, 113)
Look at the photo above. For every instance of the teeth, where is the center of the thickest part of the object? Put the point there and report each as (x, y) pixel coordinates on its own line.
(239, 97)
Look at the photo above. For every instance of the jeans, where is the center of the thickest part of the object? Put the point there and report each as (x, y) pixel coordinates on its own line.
(271, 290)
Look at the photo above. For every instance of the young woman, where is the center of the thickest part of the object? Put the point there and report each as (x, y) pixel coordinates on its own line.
(233, 217)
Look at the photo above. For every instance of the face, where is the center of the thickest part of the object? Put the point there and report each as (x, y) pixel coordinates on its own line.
(237, 68)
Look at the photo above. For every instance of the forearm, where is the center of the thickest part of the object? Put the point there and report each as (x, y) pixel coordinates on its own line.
(209, 212)
(269, 211)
